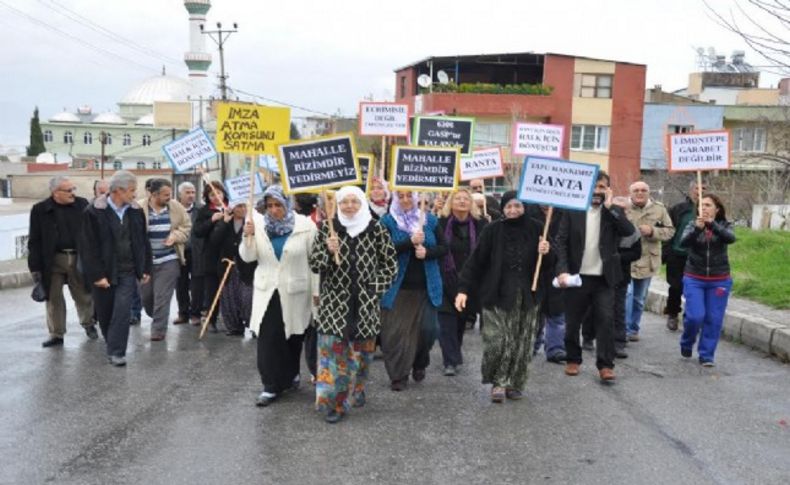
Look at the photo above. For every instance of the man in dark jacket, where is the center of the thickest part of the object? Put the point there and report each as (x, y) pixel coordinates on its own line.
(587, 244)
(675, 255)
(189, 290)
(492, 205)
(116, 254)
(52, 257)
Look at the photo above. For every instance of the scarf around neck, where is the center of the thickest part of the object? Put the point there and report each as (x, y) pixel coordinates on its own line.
(281, 227)
(359, 222)
(449, 265)
(408, 221)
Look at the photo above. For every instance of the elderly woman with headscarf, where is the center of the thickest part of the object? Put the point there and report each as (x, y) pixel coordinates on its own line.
(349, 314)
(379, 198)
(462, 225)
(501, 269)
(409, 324)
(280, 241)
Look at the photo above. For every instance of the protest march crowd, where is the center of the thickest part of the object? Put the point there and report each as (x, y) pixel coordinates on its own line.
(382, 270)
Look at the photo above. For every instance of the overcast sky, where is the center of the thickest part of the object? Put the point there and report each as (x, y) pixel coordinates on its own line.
(321, 55)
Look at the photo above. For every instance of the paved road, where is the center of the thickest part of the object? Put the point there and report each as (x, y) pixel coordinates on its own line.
(182, 412)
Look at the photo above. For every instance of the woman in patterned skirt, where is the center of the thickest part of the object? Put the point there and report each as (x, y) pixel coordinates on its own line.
(500, 270)
(349, 316)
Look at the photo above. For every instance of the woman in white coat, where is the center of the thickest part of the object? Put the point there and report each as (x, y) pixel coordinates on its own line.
(280, 241)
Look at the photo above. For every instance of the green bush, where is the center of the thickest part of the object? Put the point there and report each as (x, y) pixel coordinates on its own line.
(760, 264)
(490, 88)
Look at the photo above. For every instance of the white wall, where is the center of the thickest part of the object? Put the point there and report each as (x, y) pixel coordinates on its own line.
(12, 226)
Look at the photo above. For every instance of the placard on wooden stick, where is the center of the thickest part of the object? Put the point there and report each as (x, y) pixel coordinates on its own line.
(444, 131)
(318, 164)
(189, 150)
(251, 129)
(538, 139)
(383, 119)
(704, 150)
(484, 163)
(428, 169)
(557, 183)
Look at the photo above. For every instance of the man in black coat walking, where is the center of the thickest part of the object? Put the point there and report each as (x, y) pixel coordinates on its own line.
(52, 257)
(587, 244)
(116, 254)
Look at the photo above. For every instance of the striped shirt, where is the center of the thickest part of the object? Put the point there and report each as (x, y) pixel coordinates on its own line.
(158, 230)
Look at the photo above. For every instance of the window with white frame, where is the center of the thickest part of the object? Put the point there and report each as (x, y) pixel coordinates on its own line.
(749, 139)
(146, 140)
(87, 138)
(47, 135)
(593, 85)
(127, 139)
(117, 165)
(108, 138)
(590, 138)
(68, 138)
(490, 134)
(677, 129)
(156, 165)
(141, 165)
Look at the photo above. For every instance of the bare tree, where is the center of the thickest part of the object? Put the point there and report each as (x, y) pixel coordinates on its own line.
(763, 24)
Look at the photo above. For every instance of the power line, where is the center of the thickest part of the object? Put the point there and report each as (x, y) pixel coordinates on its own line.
(50, 27)
(86, 22)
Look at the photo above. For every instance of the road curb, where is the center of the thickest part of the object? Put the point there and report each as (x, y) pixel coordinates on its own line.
(18, 279)
(753, 331)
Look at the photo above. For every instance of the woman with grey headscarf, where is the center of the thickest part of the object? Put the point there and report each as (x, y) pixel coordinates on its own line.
(280, 241)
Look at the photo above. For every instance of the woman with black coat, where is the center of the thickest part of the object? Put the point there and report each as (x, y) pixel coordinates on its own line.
(209, 216)
(462, 225)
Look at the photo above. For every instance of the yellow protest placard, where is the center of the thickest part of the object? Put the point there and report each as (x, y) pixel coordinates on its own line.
(251, 129)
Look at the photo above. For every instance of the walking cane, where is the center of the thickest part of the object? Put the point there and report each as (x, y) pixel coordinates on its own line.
(216, 297)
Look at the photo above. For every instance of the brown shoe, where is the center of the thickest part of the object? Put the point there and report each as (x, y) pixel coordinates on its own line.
(182, 319)
(157, 338)
(571, 369)
(606, 374)
(634, 337)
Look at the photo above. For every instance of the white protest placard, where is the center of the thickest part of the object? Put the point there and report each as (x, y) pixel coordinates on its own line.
(484, 163)
(383, 119)
(238, 188)
(189, 150)
(557, 183)
(538, 139)
(700, 151)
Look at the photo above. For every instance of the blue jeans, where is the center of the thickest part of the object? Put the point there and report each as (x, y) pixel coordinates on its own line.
(706, 302)
(137, 304)
(635, 303)
(554, 335)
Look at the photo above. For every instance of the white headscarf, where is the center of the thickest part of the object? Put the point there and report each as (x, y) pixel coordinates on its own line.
(357, 224)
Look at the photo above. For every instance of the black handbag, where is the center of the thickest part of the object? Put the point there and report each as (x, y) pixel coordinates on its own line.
(39, 294)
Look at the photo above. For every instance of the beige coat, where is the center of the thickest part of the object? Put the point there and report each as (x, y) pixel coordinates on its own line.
(655, 215)
(291, 276)
(180, 225)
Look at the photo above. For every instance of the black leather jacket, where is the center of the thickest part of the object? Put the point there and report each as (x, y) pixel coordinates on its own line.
(707, 248)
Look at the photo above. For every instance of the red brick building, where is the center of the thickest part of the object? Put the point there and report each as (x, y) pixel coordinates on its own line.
(599, 102)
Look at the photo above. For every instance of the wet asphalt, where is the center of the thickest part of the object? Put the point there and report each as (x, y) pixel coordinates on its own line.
(183, 411)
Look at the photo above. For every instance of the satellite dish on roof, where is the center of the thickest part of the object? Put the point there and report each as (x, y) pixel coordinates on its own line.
(442, 77)
(424, 80)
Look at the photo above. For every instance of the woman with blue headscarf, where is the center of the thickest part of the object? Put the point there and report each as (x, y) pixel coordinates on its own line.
(409, 317)
(280, 241)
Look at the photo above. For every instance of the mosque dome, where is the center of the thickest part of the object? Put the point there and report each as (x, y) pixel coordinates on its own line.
(157, 88)
(65, 117)
(109, 118)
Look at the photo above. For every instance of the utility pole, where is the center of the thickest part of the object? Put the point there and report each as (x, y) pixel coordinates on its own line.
(103, 140)
(220, 39)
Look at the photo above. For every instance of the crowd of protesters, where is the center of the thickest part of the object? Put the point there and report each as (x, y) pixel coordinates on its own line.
(381, 269)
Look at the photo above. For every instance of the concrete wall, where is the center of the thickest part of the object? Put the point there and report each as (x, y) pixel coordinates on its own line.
(776, 217)
(658, 116)
(36, 186)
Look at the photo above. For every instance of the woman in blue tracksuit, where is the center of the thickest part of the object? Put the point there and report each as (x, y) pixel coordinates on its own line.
(706, 281)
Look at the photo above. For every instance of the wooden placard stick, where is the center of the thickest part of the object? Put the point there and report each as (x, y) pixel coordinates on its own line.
(485, 206)
(540, 256)
(216, 296)
(422, 210)
(329, 205)
(382, 169)
(699, 192)
(251, 203)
